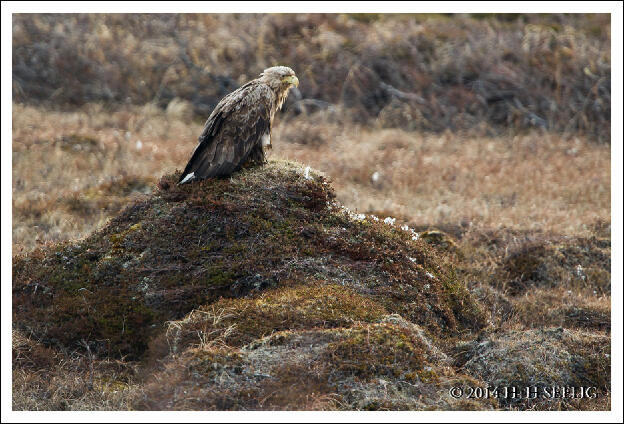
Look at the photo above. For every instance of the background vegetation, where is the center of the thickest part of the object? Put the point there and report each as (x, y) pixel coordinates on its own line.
(488, 135)
(418, 72)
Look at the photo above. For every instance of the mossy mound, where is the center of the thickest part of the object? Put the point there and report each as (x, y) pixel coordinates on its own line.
(239, 321)
(439, 239)
(581, 263)
(542, 359)
(271, 235)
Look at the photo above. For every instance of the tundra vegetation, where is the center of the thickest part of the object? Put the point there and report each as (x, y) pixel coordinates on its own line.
(435, 214)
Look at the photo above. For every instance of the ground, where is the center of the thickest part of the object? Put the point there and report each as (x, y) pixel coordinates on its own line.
(260, 291)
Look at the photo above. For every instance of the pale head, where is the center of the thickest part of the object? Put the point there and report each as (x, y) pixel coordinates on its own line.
(279, 78)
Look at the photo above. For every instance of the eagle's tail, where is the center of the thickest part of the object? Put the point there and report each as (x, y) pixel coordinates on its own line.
(200, 167)
(188, 174)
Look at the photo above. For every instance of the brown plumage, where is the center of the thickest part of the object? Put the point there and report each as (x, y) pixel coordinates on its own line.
(238, 130)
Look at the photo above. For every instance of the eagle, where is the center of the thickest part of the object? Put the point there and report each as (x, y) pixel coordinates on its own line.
(238, 131)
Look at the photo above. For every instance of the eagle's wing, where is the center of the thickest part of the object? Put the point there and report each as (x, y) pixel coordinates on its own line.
(235, 126)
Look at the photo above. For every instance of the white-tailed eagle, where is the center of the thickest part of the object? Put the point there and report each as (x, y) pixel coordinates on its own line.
(238, 130)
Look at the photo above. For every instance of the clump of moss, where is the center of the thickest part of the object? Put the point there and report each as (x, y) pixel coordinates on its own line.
(439, 239)
(237, 322)
(380, 350)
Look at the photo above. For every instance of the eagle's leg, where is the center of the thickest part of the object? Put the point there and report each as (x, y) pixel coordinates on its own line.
(256, 157)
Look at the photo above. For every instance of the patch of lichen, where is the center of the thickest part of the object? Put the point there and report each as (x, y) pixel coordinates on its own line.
(264, 228)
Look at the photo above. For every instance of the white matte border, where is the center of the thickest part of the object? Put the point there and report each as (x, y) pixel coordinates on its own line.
(615, 8)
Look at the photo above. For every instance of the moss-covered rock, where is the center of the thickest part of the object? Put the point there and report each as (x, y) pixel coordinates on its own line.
(271, 235)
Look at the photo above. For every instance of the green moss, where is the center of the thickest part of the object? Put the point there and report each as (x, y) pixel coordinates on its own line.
(380, 350)
(287, 308)
(118, 239)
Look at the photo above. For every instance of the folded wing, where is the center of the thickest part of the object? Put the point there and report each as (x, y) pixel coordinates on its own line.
(236, 125)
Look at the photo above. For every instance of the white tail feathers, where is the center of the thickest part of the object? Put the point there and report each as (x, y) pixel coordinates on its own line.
(188, 178)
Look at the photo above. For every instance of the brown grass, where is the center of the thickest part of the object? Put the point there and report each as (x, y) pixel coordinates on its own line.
(66, 164)
(45, 379)
(533, 181)
(538, 181)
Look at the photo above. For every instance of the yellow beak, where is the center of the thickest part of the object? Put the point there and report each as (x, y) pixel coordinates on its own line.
(291, 79)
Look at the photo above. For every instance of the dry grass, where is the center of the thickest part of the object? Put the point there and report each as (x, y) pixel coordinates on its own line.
(45, 379)
(533, 181)
(68, 167)
(537, 181)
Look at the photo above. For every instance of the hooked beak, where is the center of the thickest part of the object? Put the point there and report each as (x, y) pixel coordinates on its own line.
(291, 79)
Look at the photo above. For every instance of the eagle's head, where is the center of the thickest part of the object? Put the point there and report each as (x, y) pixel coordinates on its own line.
(279, 78)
